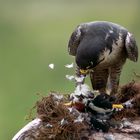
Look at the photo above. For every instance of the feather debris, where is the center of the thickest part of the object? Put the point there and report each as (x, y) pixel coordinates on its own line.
(51, 66)
(70, 77)
(49, 125)
(63, 122)
(79, 79)
(69, 65)
(80, 118)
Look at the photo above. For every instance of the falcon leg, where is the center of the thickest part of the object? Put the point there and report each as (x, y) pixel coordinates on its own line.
(99, 79)
(114, 78)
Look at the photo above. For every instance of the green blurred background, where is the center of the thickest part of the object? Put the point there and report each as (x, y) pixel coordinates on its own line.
(35, 33)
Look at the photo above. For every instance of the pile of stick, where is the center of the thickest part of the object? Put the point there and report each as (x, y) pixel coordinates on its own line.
(60, 123)
(55, 121)
(129, 92)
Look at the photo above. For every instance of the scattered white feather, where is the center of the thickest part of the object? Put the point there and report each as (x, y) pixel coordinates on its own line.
(29, 126)
(82, 89)
(128, 104)
(74, 111)
(70, 109)
(79, 79)
(69, 65)
(51, 66)
(63, 122)
(70, 77)
(79, 119)
(74, 97)
(57, 97)
(49, 125)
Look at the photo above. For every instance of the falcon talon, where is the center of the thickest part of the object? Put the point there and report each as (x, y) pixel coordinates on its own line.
(118, 106)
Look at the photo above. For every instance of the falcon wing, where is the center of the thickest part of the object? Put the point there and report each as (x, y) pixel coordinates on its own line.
(74, 41)
(131, 47)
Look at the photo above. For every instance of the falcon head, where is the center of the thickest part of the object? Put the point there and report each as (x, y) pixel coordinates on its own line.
(89, 58)
(89, 50)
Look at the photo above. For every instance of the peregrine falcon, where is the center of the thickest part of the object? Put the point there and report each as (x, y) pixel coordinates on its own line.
(100, 49)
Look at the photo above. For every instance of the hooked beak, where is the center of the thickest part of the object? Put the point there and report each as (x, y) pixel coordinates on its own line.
(84, 72)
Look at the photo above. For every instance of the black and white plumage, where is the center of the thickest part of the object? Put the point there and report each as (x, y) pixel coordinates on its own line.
(101, 108)
(103, 48)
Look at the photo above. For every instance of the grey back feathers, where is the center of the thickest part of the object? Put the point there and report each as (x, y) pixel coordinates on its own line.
(98, 29)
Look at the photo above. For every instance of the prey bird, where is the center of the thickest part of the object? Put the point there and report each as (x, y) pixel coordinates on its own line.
(101, 49)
